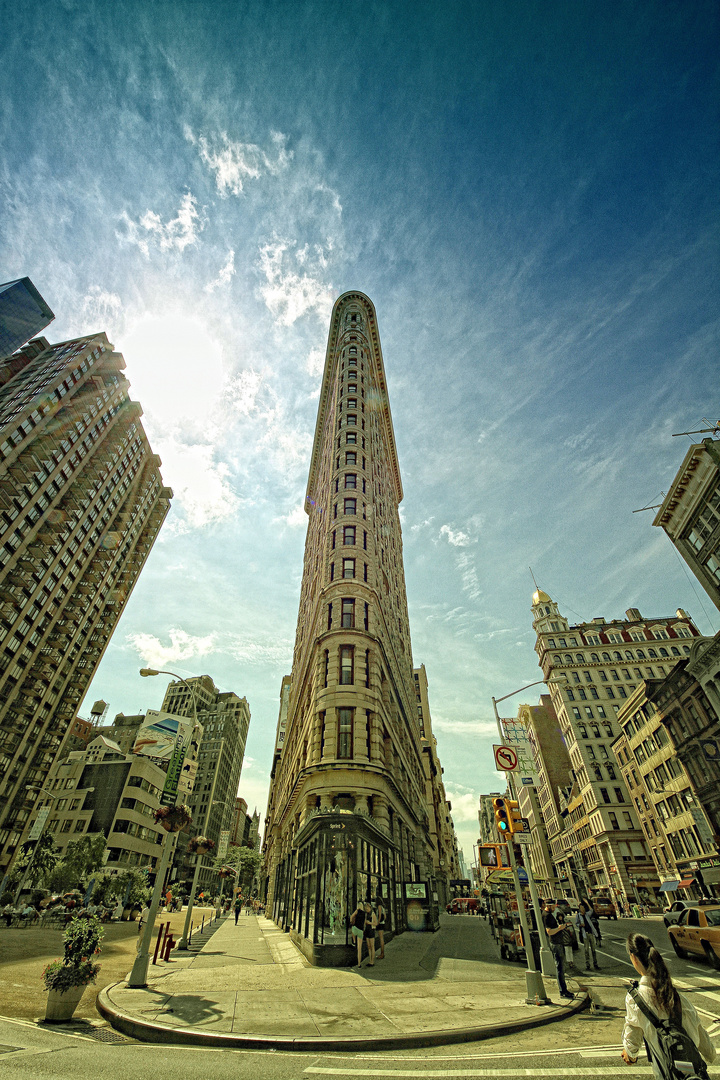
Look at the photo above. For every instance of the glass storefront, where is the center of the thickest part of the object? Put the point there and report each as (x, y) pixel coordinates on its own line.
(341, 860)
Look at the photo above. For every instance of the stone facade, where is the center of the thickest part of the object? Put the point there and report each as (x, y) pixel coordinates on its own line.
(347, 812)
(603, 662)
(690, 514)
(81, 503)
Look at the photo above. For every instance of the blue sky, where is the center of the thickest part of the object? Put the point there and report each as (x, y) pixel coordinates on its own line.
(528, 192)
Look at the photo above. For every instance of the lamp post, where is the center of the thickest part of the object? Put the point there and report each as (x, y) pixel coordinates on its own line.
(547, 964)
(138, 975)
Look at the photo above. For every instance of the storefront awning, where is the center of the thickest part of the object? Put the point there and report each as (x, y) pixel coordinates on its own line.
(686, 883)
(669, 886)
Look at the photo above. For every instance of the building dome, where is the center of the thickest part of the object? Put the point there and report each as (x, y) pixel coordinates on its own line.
(540, 597)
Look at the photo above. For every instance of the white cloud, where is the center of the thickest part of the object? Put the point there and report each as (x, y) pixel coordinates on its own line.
(182, 646)
(315, 363)
(297, 518)
(101, 309)
(287, 293)
(225, 276)
(178, 233)
(234, 163)
(200, 484)
(455, 537)
(243, 390)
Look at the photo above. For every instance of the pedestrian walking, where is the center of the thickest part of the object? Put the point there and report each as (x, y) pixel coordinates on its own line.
(554, 931)
(238, 908)
(665, 1019)
(363, 924)
(587, 933)
(381, 927)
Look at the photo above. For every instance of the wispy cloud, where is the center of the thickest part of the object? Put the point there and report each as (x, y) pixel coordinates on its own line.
(176, 234)
(225, 276)
(289, 292)
(234, 162)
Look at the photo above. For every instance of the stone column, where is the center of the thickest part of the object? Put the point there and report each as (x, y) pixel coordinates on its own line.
(326, 801)
(376, 747)
(330, 747)
(380, 811)
(361, 804)
(360, 735)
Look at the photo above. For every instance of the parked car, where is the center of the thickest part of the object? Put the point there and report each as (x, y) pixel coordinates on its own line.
(672, 914)
(604, 906)
(698, 932)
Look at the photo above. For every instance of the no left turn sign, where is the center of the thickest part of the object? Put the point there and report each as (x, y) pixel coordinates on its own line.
(505, 758)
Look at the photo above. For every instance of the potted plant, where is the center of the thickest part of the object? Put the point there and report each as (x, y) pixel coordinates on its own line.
(200, 845)
(66, 979)
(173, 818)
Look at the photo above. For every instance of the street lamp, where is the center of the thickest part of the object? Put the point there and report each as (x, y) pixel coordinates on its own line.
(547, 964)
(138, 975)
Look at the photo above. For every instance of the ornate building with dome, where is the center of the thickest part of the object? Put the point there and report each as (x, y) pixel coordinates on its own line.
(602, 846)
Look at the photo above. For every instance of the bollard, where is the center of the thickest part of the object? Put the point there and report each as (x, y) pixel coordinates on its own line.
(157, 943)
(168, 946)
(202, 927)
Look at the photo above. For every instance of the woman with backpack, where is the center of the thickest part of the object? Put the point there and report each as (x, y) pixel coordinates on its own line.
(665, 1019)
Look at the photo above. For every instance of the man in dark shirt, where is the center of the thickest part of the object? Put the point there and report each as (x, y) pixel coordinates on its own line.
(555, 927)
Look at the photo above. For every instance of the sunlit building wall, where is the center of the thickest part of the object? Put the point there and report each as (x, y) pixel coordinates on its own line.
(81, 503)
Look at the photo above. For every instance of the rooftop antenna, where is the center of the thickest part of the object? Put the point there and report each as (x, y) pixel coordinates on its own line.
(533, 577)
(655, 507)
(714, 430)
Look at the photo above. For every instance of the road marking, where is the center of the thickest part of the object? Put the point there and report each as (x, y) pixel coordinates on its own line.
(594, 1071)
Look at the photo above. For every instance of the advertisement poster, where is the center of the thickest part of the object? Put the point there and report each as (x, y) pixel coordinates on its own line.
(157, 735)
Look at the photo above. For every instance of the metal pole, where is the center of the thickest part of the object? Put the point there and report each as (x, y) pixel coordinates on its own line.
(183, 942)
(138, 975)
(533, 978)
(547, 964)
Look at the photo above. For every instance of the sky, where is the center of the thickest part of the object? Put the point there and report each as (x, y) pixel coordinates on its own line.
(528, 193)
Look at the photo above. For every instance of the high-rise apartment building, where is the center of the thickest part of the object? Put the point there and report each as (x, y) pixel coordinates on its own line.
(225, 719)
(23, 314)
(347, 817)
(81, 503)
(690, 514)
(603, 662)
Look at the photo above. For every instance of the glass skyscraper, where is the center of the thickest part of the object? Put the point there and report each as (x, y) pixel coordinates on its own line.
(23, 314)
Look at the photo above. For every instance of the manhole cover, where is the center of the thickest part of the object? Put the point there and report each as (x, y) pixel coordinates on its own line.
(106, 1035)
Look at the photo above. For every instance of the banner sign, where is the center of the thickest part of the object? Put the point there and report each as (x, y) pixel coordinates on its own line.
(39, 823)
(516, 736)
(223, 844)
(158, 734)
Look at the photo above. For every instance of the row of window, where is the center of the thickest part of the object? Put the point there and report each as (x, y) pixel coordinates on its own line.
(582, 693)
(349, 534)
(347, 614)
(348, 569)
(616, 639)
(617, 657)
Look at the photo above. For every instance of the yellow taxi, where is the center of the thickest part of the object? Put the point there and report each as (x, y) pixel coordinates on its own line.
(698, 932)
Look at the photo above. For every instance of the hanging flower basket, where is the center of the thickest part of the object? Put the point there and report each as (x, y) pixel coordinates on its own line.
(226, 872)
(200, 845)
(173, 818)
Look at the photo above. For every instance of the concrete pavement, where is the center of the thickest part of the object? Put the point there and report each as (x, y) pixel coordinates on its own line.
(250, 987)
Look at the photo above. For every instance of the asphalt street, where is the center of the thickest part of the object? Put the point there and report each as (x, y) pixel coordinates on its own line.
(586, 1046)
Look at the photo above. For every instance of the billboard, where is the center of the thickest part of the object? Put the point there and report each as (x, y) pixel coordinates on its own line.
(158, 733)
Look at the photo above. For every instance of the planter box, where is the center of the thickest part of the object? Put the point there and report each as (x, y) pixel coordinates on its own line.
(61, 1004)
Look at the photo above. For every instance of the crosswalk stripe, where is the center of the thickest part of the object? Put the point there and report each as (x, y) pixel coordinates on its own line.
(593, 1071)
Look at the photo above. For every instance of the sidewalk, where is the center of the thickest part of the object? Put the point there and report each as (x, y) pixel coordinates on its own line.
(250, 987)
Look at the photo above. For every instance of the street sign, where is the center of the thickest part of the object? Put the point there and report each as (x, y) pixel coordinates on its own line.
(505, 758)
(525, 827)
(521, 838)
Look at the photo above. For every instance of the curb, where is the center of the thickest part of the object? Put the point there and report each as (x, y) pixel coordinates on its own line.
(148, 1031)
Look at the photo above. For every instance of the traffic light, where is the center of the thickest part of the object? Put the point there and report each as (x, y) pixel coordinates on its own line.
(507, 816)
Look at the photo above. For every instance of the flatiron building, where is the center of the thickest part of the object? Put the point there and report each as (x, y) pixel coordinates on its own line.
(347, 814)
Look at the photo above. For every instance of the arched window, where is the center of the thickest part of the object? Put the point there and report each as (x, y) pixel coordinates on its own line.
(652, 654)
(674, 650)
(580, 658)
(568, 658)
(628, 655)
(606, 656)
(640, 654)
(663, 652)
(617, 656)
(594, 658)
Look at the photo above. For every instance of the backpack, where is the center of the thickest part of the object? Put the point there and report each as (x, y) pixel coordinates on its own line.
(677, 1055)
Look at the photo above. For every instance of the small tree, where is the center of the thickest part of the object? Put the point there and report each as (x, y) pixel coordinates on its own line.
(40, 857)
(243, 859)
(81, 859)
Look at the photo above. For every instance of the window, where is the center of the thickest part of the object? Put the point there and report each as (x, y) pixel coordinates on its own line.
(352, 418)
(581, 727)
(604, 793)
(619, 795)
(614, 820)
(576, 714)
(570, 695)
(583, 694)
(589, 714)
(350, 457)
(350, 506)
(329, 622)
(610, 770)
(332, 571)
(345, 733)
(350, 480)
(346, 665)
(348, 568)
(348, 614)
(348, 534)
(351, 437)
(628, 820)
